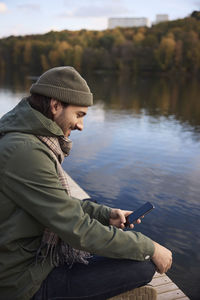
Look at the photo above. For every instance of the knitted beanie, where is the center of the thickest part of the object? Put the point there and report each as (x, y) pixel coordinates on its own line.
(64, 84)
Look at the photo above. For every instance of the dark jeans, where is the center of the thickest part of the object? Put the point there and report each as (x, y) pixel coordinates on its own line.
(101, 279)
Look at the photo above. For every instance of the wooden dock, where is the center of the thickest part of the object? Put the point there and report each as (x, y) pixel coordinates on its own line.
(166, 289)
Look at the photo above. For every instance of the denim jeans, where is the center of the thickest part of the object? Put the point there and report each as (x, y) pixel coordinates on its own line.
(100, 279)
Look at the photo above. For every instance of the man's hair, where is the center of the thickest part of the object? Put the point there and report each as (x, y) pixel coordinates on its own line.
(42, 104)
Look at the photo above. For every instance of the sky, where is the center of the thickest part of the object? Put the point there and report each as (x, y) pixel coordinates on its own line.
(20, 17)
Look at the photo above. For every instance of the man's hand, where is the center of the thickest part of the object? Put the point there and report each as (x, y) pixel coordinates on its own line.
(118, 218)
(162, 258)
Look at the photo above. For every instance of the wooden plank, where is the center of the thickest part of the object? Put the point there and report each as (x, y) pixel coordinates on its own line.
(171, 295)
(166, 287)
(160, 281)
(158, 275)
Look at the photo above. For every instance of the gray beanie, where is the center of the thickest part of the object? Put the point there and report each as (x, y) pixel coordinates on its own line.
(64, 84)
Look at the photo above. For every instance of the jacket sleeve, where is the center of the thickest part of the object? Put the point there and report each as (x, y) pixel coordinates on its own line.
(96, 211)
(31, 181)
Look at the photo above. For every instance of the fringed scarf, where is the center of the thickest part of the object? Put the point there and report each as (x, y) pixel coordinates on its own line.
(51, 245)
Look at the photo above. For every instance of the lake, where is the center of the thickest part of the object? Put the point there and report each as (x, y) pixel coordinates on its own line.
(141, 142)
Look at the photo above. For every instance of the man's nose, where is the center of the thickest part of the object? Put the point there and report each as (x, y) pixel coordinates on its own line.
(79, 125)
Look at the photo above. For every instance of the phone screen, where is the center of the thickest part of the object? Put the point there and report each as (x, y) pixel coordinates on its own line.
(141, 211)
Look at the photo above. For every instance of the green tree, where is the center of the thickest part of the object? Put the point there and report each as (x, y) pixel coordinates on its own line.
(196, 14)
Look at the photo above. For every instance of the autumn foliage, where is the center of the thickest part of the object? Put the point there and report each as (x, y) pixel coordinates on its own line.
(168, 47)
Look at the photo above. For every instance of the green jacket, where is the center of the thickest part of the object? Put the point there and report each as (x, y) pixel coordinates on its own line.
(32, 198)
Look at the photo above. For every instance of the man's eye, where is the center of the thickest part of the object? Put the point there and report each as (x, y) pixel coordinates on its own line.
(79, 115)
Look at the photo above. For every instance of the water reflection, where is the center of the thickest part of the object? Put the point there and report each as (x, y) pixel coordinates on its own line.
(172, 98)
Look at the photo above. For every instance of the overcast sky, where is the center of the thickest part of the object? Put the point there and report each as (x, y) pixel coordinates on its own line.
(19, 17)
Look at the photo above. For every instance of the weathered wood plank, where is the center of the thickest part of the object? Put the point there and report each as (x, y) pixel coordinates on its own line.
(166, 287)
(171, 295)
(160, 281)
(159, 275)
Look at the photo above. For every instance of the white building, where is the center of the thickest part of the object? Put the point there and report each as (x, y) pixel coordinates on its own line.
(128, 22)
(161, 18)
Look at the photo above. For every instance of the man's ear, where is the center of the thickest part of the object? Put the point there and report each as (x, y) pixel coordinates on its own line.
(55, 106)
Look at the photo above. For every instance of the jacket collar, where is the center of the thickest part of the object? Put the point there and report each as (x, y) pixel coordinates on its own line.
(23, 118)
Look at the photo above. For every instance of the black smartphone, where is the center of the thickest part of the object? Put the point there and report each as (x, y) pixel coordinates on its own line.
(141, 211)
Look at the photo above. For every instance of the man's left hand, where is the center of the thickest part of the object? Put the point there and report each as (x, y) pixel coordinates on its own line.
(118, 218)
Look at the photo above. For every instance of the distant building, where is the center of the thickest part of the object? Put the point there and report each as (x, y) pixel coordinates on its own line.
(128, 22)
(161, 18)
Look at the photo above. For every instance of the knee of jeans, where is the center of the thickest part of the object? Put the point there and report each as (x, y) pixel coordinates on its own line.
(149, 270)
(146, 271)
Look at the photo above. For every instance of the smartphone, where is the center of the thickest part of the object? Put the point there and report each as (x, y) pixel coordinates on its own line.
(141, 211)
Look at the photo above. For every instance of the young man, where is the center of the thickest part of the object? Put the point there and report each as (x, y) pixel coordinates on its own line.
(46, 236)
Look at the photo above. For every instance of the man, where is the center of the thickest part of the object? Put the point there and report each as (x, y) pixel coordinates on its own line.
(46, 236)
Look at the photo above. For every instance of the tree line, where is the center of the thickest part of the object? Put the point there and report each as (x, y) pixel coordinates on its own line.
(168, 47)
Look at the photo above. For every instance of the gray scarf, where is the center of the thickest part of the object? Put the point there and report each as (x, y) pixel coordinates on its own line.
(60, 252)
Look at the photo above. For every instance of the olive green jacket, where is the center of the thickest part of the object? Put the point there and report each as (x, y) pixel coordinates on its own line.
(32, 199)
